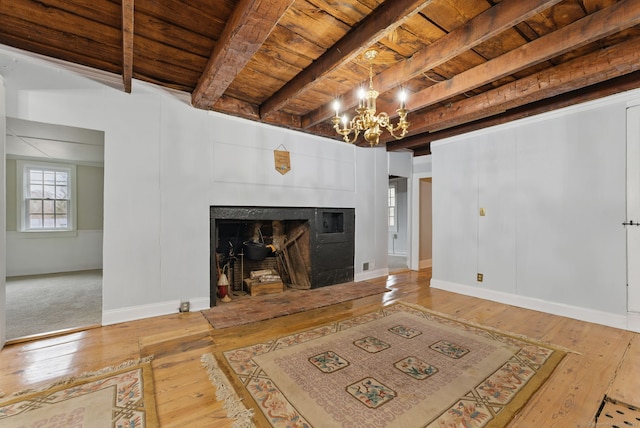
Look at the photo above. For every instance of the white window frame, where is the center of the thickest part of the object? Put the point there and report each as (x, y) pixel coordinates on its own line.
(394, 227)
(22, 192)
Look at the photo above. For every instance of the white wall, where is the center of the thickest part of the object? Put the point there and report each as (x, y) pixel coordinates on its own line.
(371, 213)
(34, 254)
(3, 219)
(553, 188)
(166, 163)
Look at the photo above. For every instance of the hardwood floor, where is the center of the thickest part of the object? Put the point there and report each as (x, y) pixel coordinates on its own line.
(603, 360)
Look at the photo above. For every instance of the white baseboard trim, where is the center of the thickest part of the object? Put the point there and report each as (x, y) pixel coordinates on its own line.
(200, 303)
(370, 274)
(133, 313)
(561, 309)
(423, 264)
(633, 322)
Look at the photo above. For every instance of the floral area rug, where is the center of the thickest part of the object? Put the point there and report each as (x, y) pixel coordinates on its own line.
(399, 366)
(119, 396)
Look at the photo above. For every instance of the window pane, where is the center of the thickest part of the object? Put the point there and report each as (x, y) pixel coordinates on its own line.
(49, 221)
(62, 192)
(35, 191)
(49, 192)
(392, 216)
(61, 207)
(48, 207)
(61, 221)
(49, 177)
(35, 206)
(61, 178)
(35, 221)
(35, 176)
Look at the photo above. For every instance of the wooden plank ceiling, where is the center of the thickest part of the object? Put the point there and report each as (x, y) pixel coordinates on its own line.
(465, 64)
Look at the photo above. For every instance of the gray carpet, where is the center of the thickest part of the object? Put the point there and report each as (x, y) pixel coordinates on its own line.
(41, 304)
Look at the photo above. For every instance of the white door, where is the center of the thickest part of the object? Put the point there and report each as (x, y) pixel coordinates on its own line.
(633, 209)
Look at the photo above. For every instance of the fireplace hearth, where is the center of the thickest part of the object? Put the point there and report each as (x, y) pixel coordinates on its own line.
(318, 243)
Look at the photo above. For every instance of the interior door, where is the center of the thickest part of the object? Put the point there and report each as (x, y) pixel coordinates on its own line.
(633, 209)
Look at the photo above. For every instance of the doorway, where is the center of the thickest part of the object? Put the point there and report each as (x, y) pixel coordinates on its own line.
(425, 235)
(398, 215)
(53, 275)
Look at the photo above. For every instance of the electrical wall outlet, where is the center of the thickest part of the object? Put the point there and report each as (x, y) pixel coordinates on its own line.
(365, 266)
(480, 277)
(184, 306)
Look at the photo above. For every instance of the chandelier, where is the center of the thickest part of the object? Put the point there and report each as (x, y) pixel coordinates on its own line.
(367, 121)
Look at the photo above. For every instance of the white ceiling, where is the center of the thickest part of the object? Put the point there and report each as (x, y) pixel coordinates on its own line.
(45, 141)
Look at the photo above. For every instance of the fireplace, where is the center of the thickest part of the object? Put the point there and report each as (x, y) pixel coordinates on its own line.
(311, 247)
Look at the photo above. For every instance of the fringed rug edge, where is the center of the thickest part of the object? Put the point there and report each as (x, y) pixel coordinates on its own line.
(70, 380)
(225, 392)
(151, 414)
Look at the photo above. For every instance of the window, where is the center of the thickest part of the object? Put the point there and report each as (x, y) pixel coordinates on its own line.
(46, 194)
(393, 226)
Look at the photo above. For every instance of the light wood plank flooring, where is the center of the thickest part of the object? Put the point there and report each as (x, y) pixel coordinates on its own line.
(604, 360)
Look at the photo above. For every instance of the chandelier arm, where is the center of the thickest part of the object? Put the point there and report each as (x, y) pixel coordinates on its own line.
(402, 125)
(366, 119)
(355, 126)
(398, 137)
(346, 138)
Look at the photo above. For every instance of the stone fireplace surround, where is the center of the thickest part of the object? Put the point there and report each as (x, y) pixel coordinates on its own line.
(329, 246)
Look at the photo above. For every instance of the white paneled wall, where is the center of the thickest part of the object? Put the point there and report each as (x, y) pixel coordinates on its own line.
(455, 212)
(166, 163)
(553, 188)
(3, 216)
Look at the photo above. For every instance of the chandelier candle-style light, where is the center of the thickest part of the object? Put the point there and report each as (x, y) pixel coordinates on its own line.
(366, 120)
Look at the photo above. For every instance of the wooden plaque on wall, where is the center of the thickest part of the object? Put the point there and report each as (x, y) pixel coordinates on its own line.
(282, 161)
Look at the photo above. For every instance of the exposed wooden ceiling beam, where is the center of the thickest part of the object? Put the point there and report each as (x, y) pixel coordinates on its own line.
(246, 30)
(385, 18)
(423, 150)
(476, 31)
(127, 44)
(593, 27)
(582, 95)
(236, 107)
(615, 61)
(409, 142)
(529, 107)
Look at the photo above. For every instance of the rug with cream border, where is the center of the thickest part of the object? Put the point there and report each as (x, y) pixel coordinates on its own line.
(120, 396)
(402, 365)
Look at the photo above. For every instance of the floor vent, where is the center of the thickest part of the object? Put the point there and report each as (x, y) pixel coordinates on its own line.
(616, 414)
